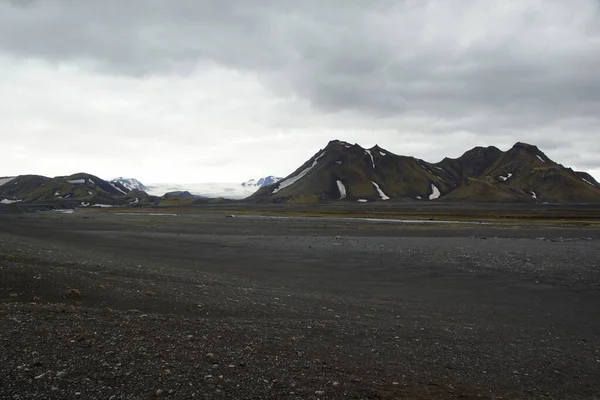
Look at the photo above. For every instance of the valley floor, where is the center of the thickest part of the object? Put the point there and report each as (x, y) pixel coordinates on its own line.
(98, 305)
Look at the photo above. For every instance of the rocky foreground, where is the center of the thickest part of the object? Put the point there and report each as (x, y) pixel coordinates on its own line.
(101, 306)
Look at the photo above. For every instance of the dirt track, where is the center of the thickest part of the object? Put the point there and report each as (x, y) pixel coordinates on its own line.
(214, 307)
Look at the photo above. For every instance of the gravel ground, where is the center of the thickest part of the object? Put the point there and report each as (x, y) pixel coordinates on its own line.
(103, 306)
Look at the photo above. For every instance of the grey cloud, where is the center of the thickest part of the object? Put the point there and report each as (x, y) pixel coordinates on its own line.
(382, 59)
(504, 71)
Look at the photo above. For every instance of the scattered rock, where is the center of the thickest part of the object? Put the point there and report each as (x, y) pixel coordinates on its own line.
(73, 294)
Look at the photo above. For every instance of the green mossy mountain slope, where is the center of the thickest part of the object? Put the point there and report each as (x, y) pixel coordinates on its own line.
(74, 190)
(342, 171)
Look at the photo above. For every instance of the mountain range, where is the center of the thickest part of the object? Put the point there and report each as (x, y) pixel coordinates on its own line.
(344, 171)
(339, 172)
(78, 190)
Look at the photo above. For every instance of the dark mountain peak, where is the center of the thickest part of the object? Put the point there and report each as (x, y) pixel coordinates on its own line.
(481, 152)
(380, 151)
(340, 145)
(472, 163)
(335, 143)
(529, 149)
(526, 146)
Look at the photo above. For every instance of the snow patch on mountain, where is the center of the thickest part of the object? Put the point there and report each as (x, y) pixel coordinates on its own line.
(505, 178)
(294, 179)
(342, 189)
(588, 182)
(370, 155)
(435, 192)
(5, 180)
(540, 158)
(117, 188)
(8, 201)
(381, 194)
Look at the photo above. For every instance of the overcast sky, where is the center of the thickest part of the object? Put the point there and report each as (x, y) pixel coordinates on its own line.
(225, 91)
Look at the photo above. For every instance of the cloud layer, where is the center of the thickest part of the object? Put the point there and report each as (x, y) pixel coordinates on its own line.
(222, 91)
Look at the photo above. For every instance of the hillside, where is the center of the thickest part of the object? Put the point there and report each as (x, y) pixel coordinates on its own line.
(80, 189)
(342, 171)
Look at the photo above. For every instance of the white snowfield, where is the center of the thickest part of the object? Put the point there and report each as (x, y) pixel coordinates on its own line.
(7, 201)
(338, 162)
(129, 183)
(103, 205)
(435, 192)
(383, 154)
(4, 181)
(77, 181)
(342, 189)
(227, 190)
(540, 158)
(290, 181)
(505, 178)
(362, 200)
(381, 194)
(534, 195)
(370, 155)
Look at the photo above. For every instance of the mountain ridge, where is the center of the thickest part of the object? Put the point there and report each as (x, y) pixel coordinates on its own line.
(344, 171)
